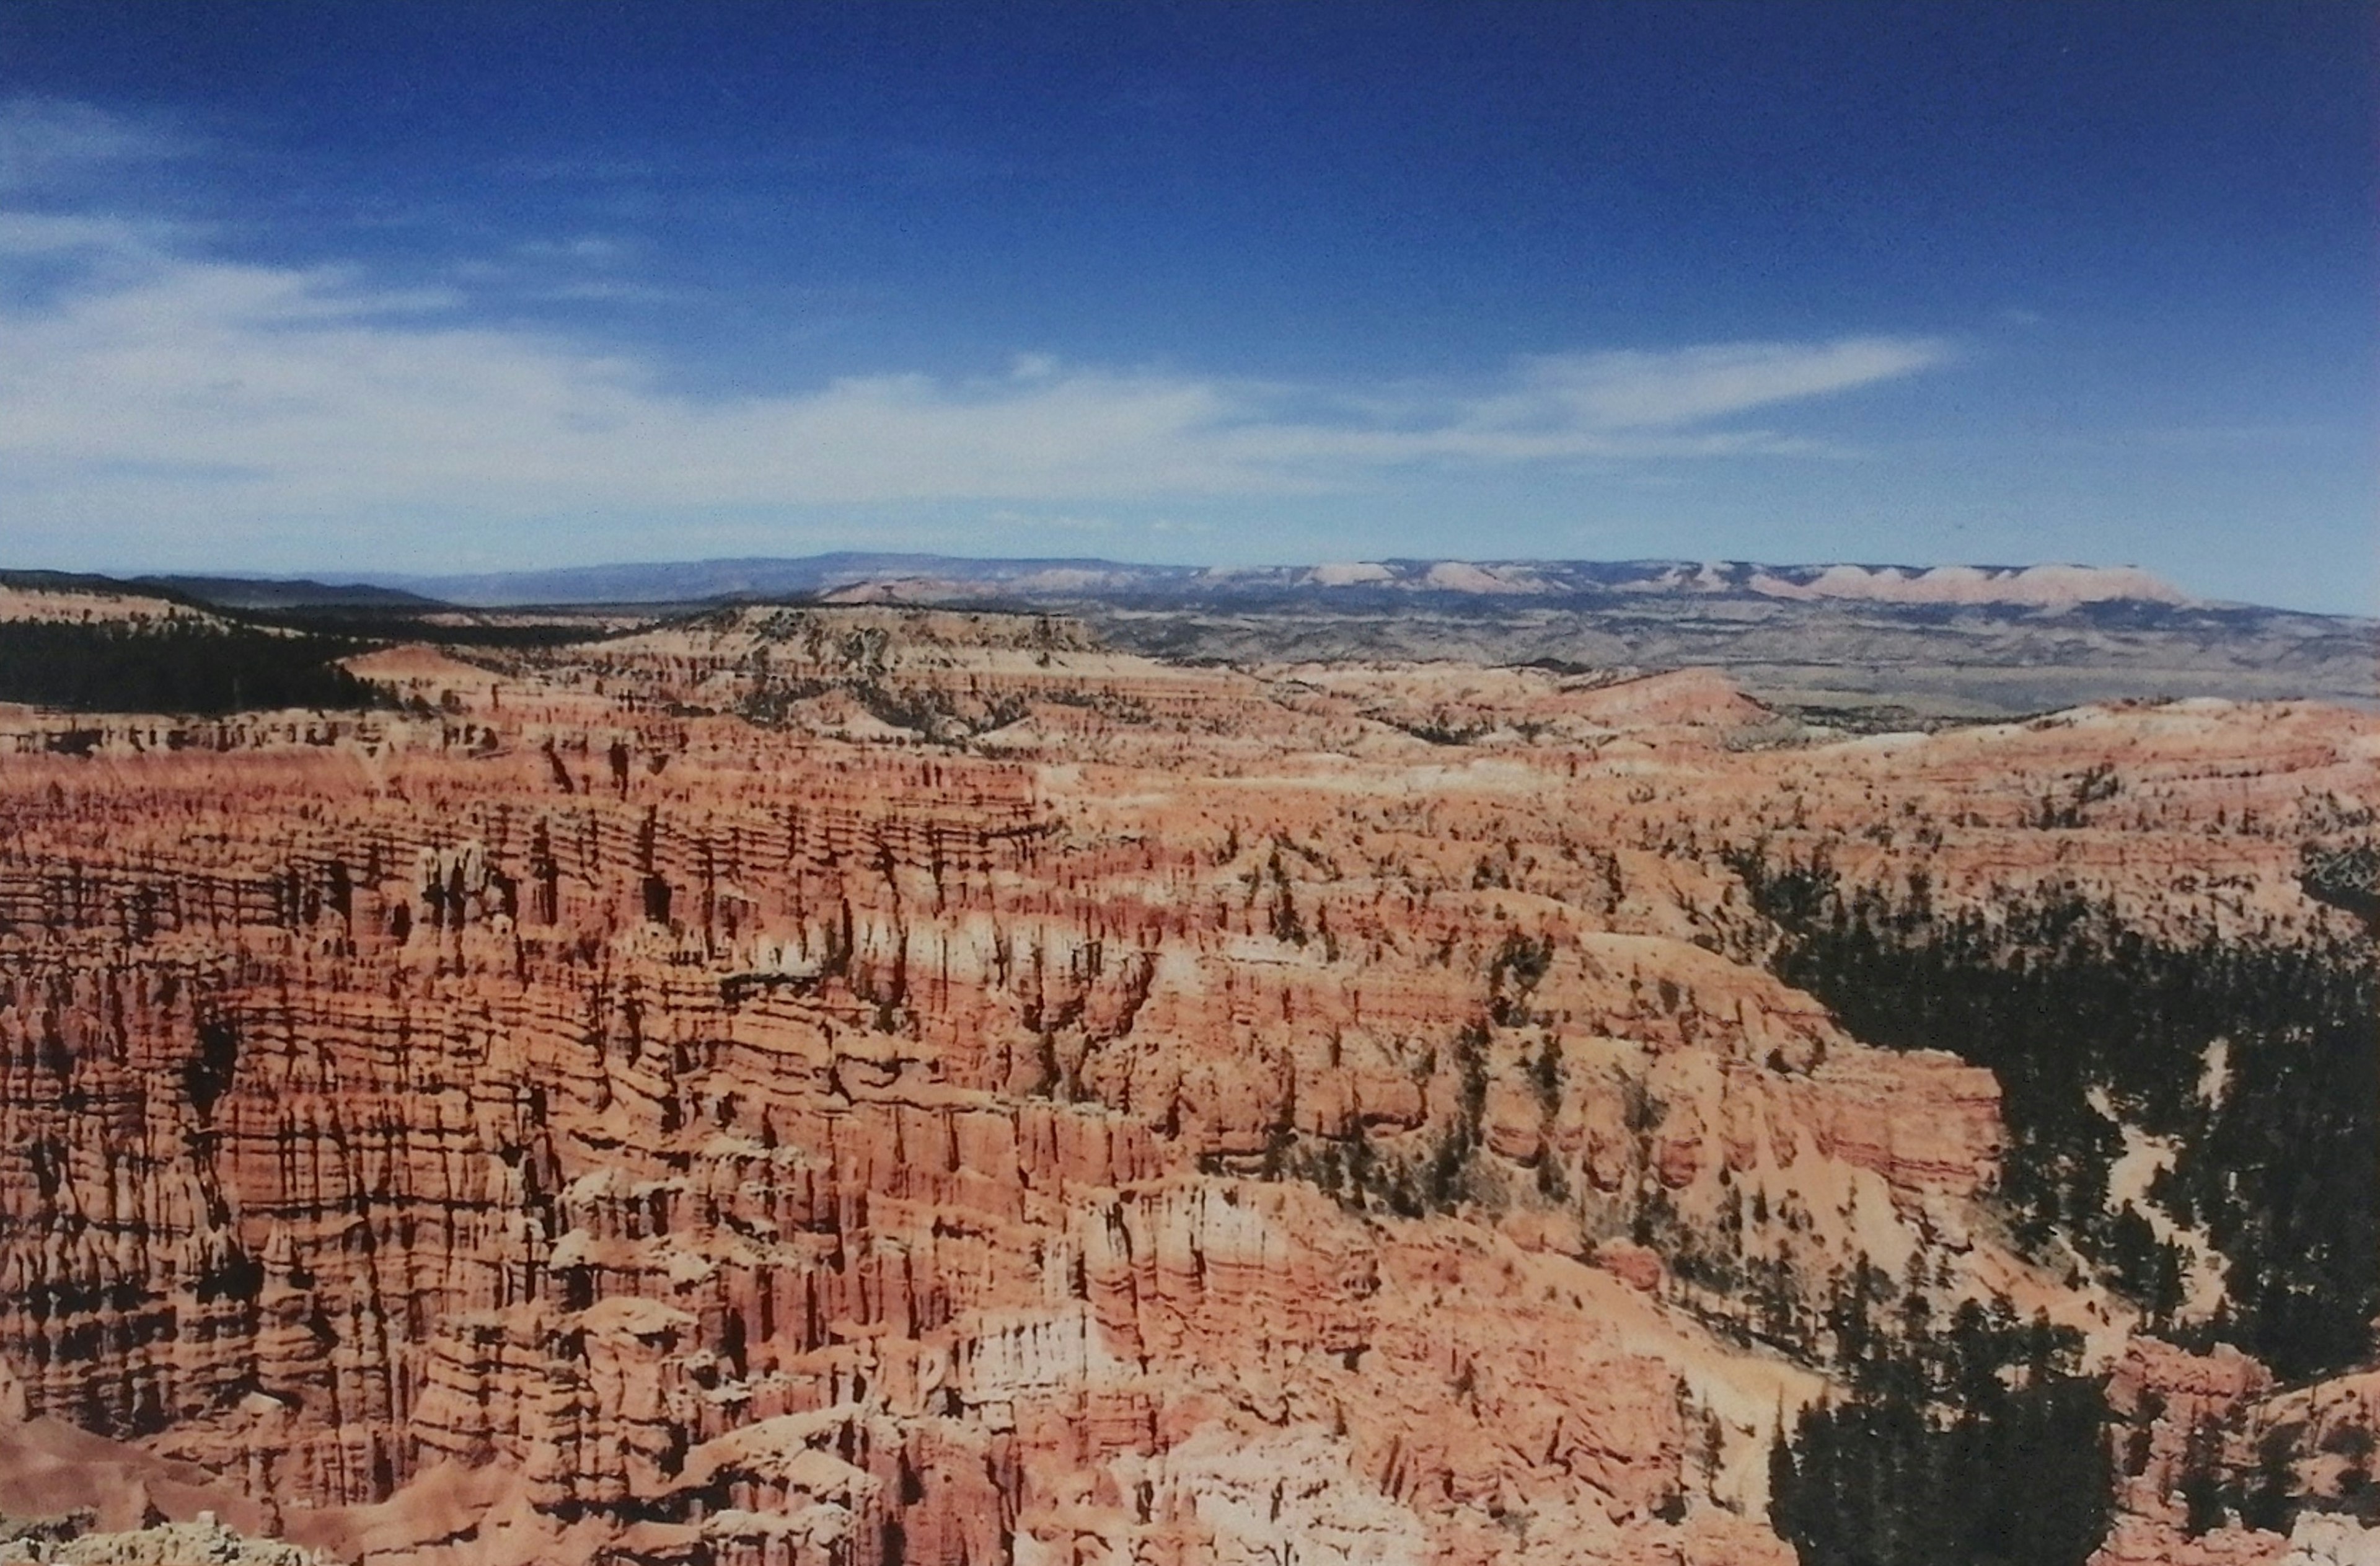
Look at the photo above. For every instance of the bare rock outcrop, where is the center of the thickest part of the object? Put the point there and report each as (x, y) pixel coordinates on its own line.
(567, 1120)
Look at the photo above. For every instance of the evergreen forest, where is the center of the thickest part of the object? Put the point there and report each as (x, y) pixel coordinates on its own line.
(2255, 1060)
(1974, 1443)
(1977, 1442)
(199, 669)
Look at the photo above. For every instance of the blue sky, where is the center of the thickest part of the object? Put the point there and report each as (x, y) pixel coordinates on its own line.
(315, 289)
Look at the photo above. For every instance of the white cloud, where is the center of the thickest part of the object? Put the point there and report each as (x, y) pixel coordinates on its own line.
(322, 383)
(52, 141)
(156, 387)
(1640, 391)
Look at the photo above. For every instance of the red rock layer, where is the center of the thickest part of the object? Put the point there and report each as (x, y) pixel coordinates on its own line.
(555, 1125)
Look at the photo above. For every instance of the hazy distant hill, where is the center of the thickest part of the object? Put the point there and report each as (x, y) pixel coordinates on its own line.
(931, 575)
(700, 580)
(1872, 644)
(1883, 643)
(274, 592)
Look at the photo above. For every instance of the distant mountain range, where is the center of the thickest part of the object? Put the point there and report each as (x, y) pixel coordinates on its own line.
(298, 592)
(1891, 642)
(929, 576)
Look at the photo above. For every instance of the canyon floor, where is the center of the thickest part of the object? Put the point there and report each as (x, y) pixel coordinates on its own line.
(901, 1086)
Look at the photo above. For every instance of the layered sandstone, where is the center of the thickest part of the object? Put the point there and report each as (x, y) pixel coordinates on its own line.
(618, 1105)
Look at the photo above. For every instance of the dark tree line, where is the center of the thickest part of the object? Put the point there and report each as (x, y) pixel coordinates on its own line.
(1974, 1443)
(173, 668)
(2346, 877)
(2278, 1152)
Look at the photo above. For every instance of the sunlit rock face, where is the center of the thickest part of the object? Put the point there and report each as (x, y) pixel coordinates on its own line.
(915, 1088)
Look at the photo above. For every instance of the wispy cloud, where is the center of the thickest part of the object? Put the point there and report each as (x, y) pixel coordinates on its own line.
(157, 383)
(322, 383)
(1645, 391)
(53, 143)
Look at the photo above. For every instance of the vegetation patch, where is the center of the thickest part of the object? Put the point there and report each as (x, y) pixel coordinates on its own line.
(2255, 1061)
(193, 668)
(1971, 1443)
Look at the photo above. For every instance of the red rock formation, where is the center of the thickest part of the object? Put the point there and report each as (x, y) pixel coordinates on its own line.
(554, 1122)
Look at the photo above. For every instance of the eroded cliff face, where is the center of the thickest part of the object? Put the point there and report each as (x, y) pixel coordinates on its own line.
(1202, 1118)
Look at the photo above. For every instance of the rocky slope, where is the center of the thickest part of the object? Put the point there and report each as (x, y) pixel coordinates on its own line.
(868, 1086)
(1875, 646)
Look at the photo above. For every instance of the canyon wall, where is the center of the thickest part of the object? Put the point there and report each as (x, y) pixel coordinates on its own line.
(1134, 1114)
